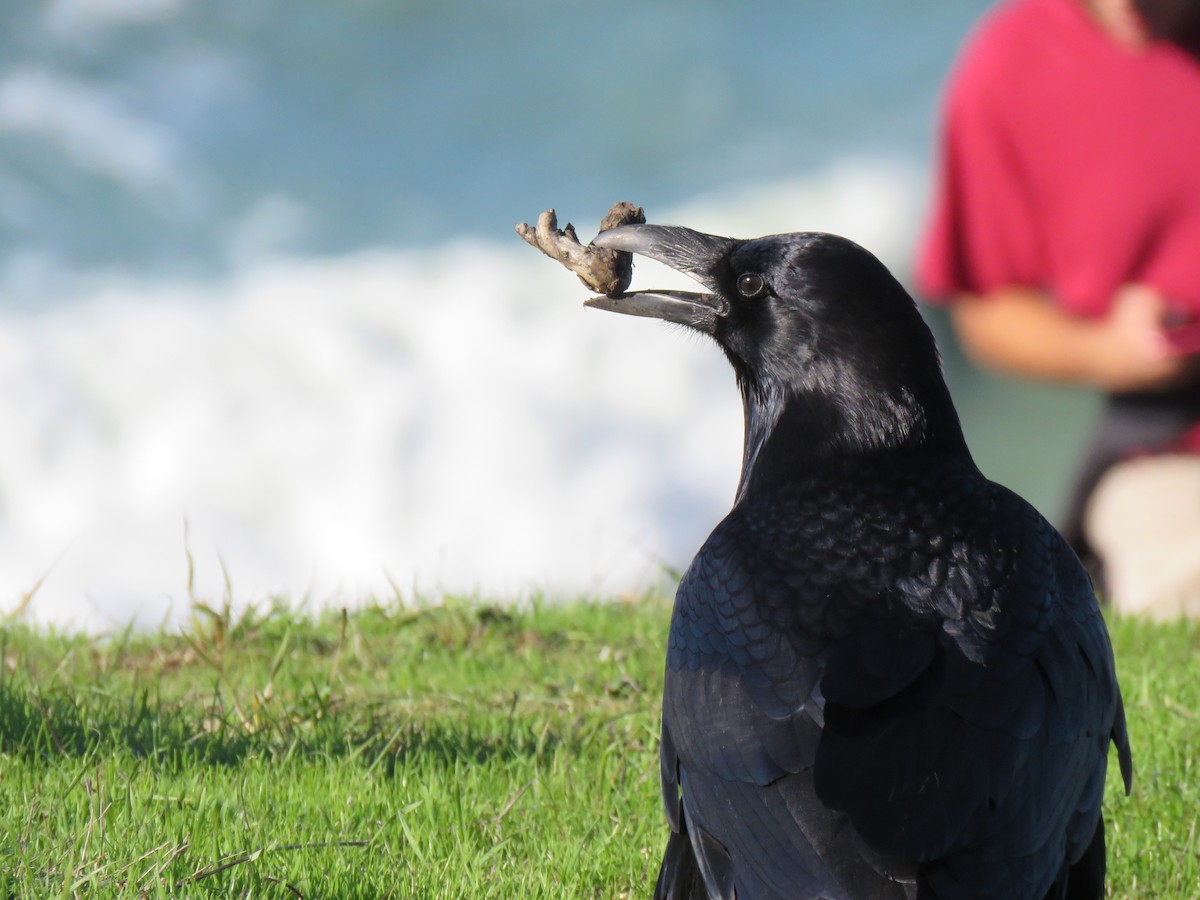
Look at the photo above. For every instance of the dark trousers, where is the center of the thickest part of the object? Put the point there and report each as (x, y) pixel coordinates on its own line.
(1129, 425)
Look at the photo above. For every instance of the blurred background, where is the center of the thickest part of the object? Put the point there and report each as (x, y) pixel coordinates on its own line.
(266, 330)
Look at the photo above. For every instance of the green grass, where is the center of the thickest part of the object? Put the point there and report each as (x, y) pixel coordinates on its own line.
(462, 750)
(1153, 846)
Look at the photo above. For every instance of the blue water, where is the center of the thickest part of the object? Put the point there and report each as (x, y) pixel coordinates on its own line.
(264, 321)
(331, 125)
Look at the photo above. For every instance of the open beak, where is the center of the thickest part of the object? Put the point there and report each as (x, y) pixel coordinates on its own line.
(693, 253)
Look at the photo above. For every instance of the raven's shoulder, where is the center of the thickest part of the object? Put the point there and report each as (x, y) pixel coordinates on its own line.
(826, 558)
(919, 649)
(1017, 703)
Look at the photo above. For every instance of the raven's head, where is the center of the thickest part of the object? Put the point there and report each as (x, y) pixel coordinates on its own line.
(831, 354)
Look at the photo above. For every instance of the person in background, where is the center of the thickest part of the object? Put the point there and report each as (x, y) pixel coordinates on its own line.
(1065, 237)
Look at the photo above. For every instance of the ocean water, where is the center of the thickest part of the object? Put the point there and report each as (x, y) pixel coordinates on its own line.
(263, 316)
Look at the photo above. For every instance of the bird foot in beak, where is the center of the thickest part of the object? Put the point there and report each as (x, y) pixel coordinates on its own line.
(603, 271)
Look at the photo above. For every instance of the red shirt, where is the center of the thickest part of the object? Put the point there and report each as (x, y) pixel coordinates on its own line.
(1068, 163)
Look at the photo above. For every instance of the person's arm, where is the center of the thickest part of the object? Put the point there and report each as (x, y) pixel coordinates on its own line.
(1018, 331)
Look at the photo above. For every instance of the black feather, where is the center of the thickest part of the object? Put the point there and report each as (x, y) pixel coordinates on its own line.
(887, 676)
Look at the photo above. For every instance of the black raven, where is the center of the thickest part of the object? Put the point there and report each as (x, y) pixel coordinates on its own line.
(887, 676)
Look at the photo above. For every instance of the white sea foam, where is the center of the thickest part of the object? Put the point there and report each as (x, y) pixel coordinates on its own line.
(414, 419)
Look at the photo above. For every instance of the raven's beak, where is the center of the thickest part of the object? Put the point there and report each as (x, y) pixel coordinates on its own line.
(693, 253)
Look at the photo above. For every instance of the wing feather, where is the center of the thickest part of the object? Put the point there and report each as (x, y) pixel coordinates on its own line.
(957, 723)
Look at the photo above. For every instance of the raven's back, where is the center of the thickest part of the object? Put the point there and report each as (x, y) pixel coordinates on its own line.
(888, 683)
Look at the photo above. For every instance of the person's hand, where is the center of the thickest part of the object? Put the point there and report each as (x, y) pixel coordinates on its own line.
(1130, 352)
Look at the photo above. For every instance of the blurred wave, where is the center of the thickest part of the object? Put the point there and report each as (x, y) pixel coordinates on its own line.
(258, 281)
(448, 418)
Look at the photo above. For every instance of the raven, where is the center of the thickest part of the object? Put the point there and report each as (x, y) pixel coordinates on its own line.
(887, 676)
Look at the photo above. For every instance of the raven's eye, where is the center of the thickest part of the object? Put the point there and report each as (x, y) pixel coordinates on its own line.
(751, 285)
